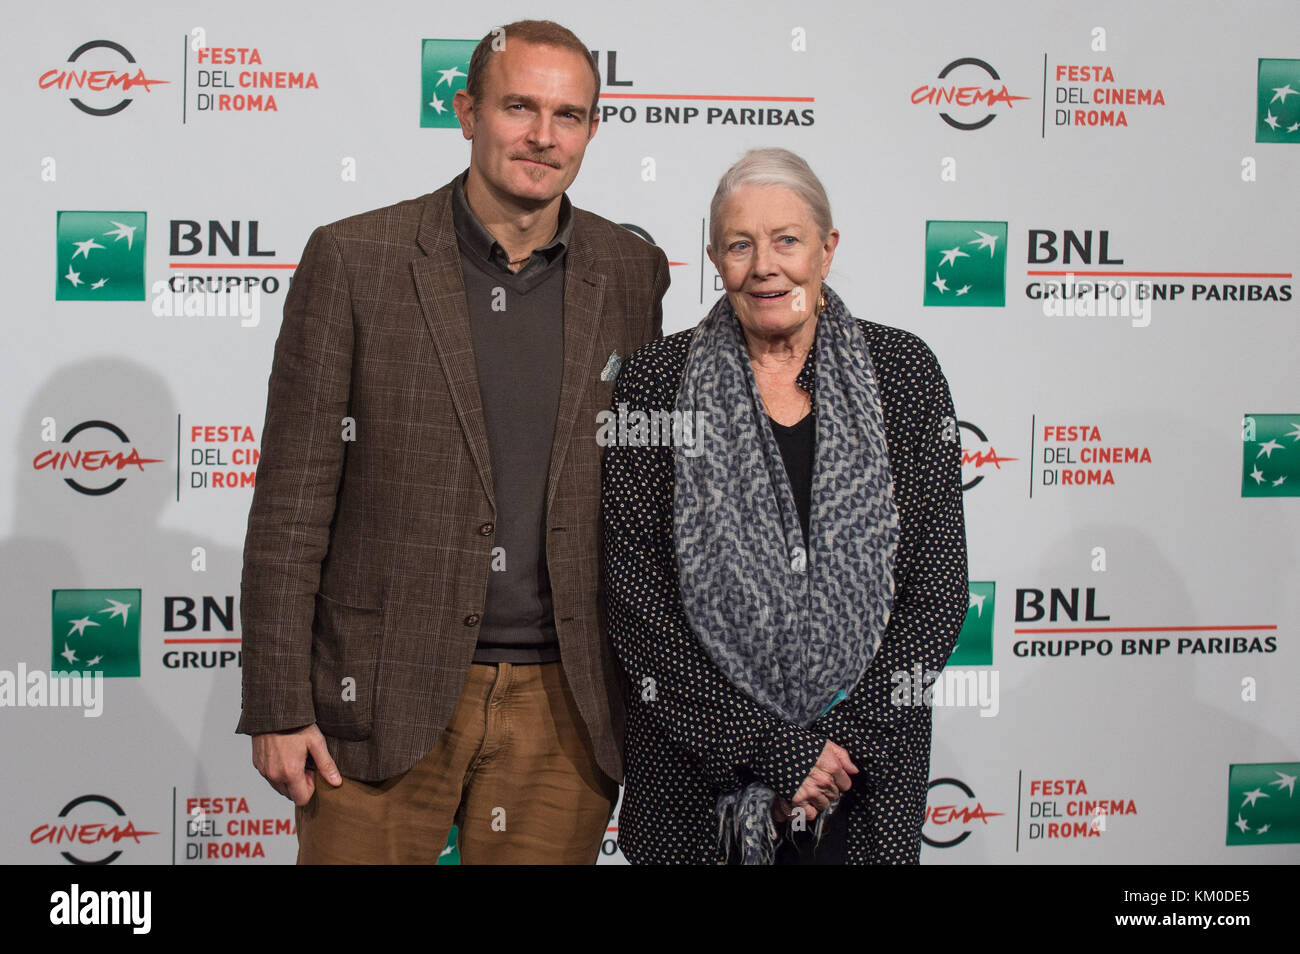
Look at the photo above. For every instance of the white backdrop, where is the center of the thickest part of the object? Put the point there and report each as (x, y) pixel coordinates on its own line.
(1189, 182)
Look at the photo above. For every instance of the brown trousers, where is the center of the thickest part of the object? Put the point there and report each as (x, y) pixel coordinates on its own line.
(513, 769)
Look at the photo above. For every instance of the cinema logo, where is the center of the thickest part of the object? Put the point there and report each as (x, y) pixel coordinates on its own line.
(1065, 810)
(1092, 96)
(968, 94)
(225, 828)
(85, 463)
(952, 813)
(101, 73)
(221, 456)
(979, 458)
(90, 830)
(230, 79)
(1076, 455)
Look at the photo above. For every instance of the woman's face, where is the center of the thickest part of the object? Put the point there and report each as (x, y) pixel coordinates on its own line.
(772, 259)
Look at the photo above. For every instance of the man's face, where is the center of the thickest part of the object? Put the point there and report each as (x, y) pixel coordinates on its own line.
(532, 123)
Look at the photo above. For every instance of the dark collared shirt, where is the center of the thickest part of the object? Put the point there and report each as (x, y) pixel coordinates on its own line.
(472, 236)
(517, 328)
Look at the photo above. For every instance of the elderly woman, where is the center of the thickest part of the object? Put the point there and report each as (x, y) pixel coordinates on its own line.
(765, 582)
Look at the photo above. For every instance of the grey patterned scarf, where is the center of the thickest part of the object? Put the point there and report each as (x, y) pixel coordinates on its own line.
(793, 629)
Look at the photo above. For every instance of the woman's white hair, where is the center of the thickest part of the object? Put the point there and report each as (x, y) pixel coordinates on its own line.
(771, 167)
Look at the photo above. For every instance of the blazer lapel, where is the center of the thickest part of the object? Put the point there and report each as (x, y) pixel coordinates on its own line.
(584, 293)
(441, 290)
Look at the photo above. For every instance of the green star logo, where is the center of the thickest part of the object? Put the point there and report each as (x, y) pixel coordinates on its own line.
(975, 641)
(451, 853)
(96, 631)
(965, 264)
(444, 66)
(100, 256)
(1270, 455)
(1277, 101)
(1263, 806)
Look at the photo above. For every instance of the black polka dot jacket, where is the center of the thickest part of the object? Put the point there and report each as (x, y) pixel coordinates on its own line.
(691, 735)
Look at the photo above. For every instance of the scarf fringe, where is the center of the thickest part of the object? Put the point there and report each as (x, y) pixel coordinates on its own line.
(745, 827)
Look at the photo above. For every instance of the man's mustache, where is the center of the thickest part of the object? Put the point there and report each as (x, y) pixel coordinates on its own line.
(542, 158)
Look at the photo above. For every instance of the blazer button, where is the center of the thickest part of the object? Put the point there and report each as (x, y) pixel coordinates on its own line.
(487, 529)
(472, 619)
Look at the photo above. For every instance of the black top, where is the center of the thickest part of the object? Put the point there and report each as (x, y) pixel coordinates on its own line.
(798, 444)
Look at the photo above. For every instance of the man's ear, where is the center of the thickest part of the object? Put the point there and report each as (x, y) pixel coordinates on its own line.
(463, 104)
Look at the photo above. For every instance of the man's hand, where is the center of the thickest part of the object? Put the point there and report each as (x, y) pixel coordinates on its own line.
(281, 757)
(827, 780)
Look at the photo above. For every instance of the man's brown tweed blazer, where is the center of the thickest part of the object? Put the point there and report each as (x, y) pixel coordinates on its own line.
(370, 535)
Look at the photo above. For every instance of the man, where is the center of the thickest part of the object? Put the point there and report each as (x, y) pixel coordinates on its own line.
(420, 612)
